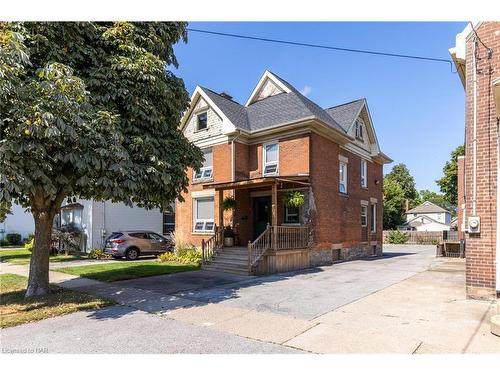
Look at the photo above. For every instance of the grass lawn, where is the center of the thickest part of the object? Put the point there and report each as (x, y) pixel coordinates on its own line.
(21, 256)
(15, 309)
(126, 270)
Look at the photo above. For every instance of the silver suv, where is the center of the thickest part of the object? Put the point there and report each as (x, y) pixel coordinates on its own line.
(134, 243)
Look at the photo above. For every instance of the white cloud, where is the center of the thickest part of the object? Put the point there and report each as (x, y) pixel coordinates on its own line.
(306, 90)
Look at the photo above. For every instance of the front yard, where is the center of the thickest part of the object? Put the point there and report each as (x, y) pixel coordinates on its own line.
(127, 270)
(15, 309)
(21, 256)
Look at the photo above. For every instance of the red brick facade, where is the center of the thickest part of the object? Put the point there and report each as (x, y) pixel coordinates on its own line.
(336, 218)
(481, 248)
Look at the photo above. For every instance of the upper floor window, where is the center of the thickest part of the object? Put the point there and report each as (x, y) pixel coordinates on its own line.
(205, 172)
(270, 158)
(202, 121)
(364, 180)
(358, 126)
(343, 177)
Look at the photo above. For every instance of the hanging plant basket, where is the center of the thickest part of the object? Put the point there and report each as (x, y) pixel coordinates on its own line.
(229, 203)
(294, 199)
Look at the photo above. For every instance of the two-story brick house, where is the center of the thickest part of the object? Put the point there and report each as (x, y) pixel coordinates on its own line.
(280, 141)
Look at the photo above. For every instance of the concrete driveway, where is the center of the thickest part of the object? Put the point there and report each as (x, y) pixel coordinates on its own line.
(305, 294)
(404, 302)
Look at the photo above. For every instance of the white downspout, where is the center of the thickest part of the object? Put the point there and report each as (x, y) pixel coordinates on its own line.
(474, 126)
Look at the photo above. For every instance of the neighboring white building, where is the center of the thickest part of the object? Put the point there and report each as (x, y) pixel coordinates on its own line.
(19, 221)
(97, 220)
(428, 217)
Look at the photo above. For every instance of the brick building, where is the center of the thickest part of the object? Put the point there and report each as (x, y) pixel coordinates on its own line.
(281, 142)
(477, 59)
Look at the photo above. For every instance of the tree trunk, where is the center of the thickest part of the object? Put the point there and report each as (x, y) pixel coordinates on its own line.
(38, 282)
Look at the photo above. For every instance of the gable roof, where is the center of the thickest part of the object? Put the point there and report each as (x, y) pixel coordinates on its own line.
(346, 113)
(414, 222)
(286, 106)
(427, 208)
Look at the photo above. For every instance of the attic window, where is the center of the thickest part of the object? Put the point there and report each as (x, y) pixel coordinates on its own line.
(202, 121)
(359, 129)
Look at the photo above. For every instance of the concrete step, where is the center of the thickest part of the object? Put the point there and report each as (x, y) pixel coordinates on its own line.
(243, 258)
(230, 263)
(228, 269)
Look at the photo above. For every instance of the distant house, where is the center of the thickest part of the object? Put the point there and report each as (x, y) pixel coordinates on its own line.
(428, 217)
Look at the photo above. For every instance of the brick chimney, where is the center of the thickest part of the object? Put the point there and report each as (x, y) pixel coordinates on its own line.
(226, 95)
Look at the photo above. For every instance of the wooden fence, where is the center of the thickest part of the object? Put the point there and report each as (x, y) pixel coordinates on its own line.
(425, 238)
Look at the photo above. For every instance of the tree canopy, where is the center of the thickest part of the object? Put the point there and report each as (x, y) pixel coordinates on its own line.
(90, 110)
(436, 198)
(401, 175)
(448, 184)
(394, 200)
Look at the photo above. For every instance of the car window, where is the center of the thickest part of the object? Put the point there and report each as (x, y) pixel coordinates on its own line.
(138, 235)
(156, 237)
(115, 235)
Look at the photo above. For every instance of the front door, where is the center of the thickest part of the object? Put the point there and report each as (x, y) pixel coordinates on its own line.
(262, 212)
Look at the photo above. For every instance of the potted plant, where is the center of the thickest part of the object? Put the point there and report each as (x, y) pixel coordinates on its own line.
(229, 203)
(228, 236)
(294, 198)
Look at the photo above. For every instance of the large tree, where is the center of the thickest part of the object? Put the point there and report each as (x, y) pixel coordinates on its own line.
(4, 210)
(401, 175)
(448, 184)
(394, 200)
(89, 110)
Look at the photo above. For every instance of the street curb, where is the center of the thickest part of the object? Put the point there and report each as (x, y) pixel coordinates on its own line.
(495, 325)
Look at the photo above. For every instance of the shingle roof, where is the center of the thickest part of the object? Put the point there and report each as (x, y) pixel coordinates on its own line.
(273, 110)
(234, 111)
(427, 208)
(345, 114)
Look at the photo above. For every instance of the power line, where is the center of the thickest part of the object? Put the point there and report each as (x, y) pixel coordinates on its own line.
(240, 36)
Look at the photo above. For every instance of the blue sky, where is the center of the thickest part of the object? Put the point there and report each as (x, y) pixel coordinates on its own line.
(417, 106)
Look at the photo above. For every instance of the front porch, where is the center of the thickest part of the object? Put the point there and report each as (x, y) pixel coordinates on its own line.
(269, 236)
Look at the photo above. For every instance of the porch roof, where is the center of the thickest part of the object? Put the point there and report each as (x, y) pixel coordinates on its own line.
(257, 182)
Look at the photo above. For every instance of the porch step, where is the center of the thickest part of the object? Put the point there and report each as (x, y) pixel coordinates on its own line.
(224, 268)
(230, 256)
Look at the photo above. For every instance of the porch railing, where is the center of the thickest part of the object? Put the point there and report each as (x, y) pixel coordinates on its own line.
(211, 246)
(277, 238)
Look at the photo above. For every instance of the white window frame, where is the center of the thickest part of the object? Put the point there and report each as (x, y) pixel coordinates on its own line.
(266, 164)
(358, 126)
(373, 215)
(204, 173)
(364, 214)
(204, 222)
(364, 173)
(343, 176)
(287, 215)
(198, 120)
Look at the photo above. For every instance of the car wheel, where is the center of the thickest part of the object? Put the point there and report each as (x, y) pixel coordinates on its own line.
(132, 253)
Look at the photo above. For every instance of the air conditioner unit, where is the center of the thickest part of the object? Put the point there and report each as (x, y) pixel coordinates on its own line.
(474, 224)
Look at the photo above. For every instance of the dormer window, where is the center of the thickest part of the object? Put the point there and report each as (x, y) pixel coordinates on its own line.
(270, 159)
(359, 129)
(202, 121)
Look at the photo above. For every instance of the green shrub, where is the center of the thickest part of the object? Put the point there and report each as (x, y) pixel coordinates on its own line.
(182, 254)
(29, 245)
(98, 254)
(29, 237)
(13, 238)
(4, 242)
(396, 237)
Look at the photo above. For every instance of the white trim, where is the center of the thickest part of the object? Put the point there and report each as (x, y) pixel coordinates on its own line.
(345, 180)
(363, 173)
(343, 159)
(373, 217)
(365, 209)
(204, 222)
(267, 75)
(203, 193)
(277, 162)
